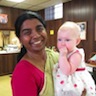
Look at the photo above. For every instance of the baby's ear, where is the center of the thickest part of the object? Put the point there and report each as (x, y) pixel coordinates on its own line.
(78, 41)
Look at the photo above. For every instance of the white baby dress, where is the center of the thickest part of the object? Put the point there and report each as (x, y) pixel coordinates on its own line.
(74, 84)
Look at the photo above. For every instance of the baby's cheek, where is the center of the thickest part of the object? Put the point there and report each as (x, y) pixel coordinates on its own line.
(59, 47)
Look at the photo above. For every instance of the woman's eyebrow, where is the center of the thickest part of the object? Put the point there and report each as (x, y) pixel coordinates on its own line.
(26, 29)
(39, 26)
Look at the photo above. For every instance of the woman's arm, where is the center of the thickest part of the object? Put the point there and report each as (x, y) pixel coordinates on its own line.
(23, 83)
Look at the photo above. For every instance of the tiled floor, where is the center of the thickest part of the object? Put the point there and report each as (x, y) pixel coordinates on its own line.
(5, 86)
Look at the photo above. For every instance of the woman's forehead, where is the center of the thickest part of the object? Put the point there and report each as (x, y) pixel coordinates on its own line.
(31, 23)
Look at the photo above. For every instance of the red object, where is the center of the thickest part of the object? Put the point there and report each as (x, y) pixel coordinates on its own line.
(27, 80)
(80, 69)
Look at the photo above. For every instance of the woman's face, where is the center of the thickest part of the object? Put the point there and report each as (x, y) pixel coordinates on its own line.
(33, 35)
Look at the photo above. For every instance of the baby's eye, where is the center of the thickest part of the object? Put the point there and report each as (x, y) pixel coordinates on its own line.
(67, 39)
(59, 39)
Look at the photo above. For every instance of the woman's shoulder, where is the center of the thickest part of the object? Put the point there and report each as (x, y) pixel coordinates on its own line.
(50, 51)
(52, 55)
(22, 64)
(22, 67)
(25, 66)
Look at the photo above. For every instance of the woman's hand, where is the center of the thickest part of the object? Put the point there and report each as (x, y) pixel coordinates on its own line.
(84, 92)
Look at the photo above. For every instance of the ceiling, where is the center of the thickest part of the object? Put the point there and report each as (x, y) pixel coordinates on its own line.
(33, 5)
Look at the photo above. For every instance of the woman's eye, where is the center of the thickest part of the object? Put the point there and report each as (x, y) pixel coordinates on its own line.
(40, 28)
(26, 32)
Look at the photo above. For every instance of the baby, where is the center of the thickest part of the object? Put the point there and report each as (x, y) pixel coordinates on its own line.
(70, 74)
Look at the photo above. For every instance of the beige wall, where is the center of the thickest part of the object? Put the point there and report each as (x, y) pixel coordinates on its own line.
(1, 39)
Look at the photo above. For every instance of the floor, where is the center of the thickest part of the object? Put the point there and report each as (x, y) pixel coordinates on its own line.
(5, 86)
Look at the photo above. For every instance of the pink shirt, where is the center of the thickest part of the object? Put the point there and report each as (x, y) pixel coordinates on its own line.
(27, 80)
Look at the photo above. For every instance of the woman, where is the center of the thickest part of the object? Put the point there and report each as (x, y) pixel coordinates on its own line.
(32, 75)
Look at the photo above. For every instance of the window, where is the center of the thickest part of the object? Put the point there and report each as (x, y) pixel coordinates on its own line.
(54, 12)
(49, 13)
(58, 11)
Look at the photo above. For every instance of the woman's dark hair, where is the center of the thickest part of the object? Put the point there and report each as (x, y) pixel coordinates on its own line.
(19, 21)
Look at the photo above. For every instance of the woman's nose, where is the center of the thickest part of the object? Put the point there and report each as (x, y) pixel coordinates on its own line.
(35, 34)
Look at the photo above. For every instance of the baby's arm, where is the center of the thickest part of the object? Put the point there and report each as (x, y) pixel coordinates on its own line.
(69, 66)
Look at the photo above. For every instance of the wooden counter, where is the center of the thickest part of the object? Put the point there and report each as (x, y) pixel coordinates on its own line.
(91, 65)
(7, 63)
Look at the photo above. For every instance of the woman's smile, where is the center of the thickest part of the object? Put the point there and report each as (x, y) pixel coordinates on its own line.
(38, 42)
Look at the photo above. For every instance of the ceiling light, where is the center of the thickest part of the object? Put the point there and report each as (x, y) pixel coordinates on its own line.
(16, 1)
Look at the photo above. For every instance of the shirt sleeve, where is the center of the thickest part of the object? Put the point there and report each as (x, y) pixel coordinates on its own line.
(23, 83)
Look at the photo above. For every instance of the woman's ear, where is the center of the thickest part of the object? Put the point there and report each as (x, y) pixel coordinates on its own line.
(78, 41)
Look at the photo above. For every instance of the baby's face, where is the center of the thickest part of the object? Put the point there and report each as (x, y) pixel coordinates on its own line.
(67, 38)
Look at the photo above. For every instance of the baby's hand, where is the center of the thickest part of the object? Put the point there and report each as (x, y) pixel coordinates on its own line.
(63, 51)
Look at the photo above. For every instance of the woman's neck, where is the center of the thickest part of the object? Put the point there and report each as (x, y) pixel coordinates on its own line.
(37, 55)
(37, 59)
